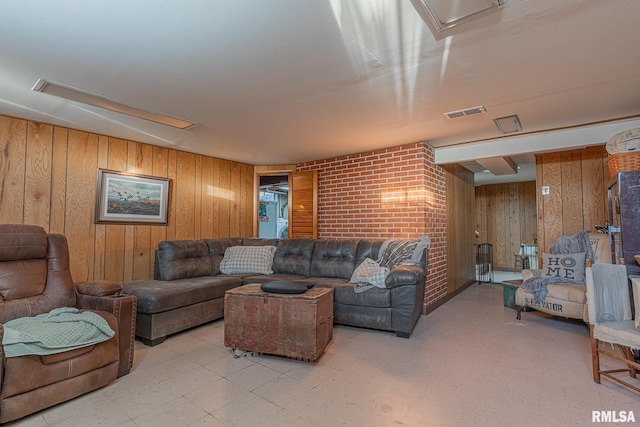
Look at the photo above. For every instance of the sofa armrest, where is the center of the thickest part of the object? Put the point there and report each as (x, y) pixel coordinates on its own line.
(405, 275)
(99, 288)
(530, 273)
(123, 307)
(1, 352)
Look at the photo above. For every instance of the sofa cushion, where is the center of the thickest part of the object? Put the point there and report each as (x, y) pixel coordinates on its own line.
(248, 259)
(293, 256)
(20, 242)
(334, 258)
(156, 296)
(374, 297)
(216, 248)
(368, 249)
(566, 267)
(568, 292)
(22, 279)
(182, 259)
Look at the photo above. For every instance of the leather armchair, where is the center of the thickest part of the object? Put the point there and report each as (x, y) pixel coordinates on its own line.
(35, 279)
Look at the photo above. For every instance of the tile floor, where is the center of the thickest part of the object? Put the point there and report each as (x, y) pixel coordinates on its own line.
(468, 363)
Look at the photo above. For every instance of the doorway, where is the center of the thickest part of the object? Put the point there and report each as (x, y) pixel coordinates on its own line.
(273, 210)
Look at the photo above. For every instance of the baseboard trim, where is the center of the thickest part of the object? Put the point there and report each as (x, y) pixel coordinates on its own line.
(426, 309)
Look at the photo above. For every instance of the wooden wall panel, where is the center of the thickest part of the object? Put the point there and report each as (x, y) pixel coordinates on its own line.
(197, 205)
(81, 196)
(571, 191)
(247, 205)
(224, 197)
(594, 182)
(13, 135)
(49, 178)
(550, 223)
(481, 216)
(216, 198)
(37, 188)
(234, 202)
(101, 229)
(142, 256)
(577, 201)
(506, 217)
(529, 216)
(206, 192)
(185, 200)
(460, 227)
(514, 218)
(498, 210)
(58, 180)
(160, 169)
(115, 233)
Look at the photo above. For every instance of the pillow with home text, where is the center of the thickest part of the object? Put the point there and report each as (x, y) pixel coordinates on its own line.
(566, 267)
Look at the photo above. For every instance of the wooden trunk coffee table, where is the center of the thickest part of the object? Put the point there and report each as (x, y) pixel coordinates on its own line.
(293, 325)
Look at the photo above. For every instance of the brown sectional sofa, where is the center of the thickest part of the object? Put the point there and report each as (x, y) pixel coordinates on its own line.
(188, 288)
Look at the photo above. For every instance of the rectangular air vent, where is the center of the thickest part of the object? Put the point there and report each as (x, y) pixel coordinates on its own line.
(466, 112)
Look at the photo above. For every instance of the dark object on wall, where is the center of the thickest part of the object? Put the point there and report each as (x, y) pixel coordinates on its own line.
(624, 219)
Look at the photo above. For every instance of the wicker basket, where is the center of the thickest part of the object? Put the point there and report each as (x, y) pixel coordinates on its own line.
(623, 162)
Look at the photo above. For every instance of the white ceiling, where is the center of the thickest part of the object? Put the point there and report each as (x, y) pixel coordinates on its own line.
(287, 81)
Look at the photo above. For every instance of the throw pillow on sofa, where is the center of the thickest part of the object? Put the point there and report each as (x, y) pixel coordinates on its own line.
(248, 259)
(568, 268)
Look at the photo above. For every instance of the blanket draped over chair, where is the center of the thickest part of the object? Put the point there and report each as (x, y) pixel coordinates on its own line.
(393, 252)
(60, 330)
(572, 243)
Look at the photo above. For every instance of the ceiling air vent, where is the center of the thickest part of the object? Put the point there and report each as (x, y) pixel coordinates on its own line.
(466, 112)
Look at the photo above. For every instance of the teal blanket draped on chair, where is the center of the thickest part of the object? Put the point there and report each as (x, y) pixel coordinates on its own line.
(62, 329)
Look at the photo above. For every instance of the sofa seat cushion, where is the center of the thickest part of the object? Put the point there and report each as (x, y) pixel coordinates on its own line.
(568, 292)
(156, 296)
(343, 293)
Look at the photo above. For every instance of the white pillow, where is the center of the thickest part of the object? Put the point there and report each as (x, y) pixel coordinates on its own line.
(248, 259)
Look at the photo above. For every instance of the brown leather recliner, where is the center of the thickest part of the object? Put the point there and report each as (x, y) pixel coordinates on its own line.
(35, 279)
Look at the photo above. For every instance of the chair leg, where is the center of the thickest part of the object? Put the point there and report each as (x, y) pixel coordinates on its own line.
(595, 356)
(632, 369)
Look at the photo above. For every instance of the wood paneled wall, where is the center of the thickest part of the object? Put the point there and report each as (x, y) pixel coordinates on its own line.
(460, 227)
(577, 197)
(506, 217)
(48, 178)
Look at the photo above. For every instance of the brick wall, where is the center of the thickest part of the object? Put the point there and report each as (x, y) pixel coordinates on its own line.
(393, 192)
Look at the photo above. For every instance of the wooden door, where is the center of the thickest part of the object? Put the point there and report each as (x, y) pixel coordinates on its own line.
(303, 204)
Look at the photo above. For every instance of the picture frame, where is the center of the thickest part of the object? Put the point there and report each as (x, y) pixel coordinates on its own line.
(129, 198)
